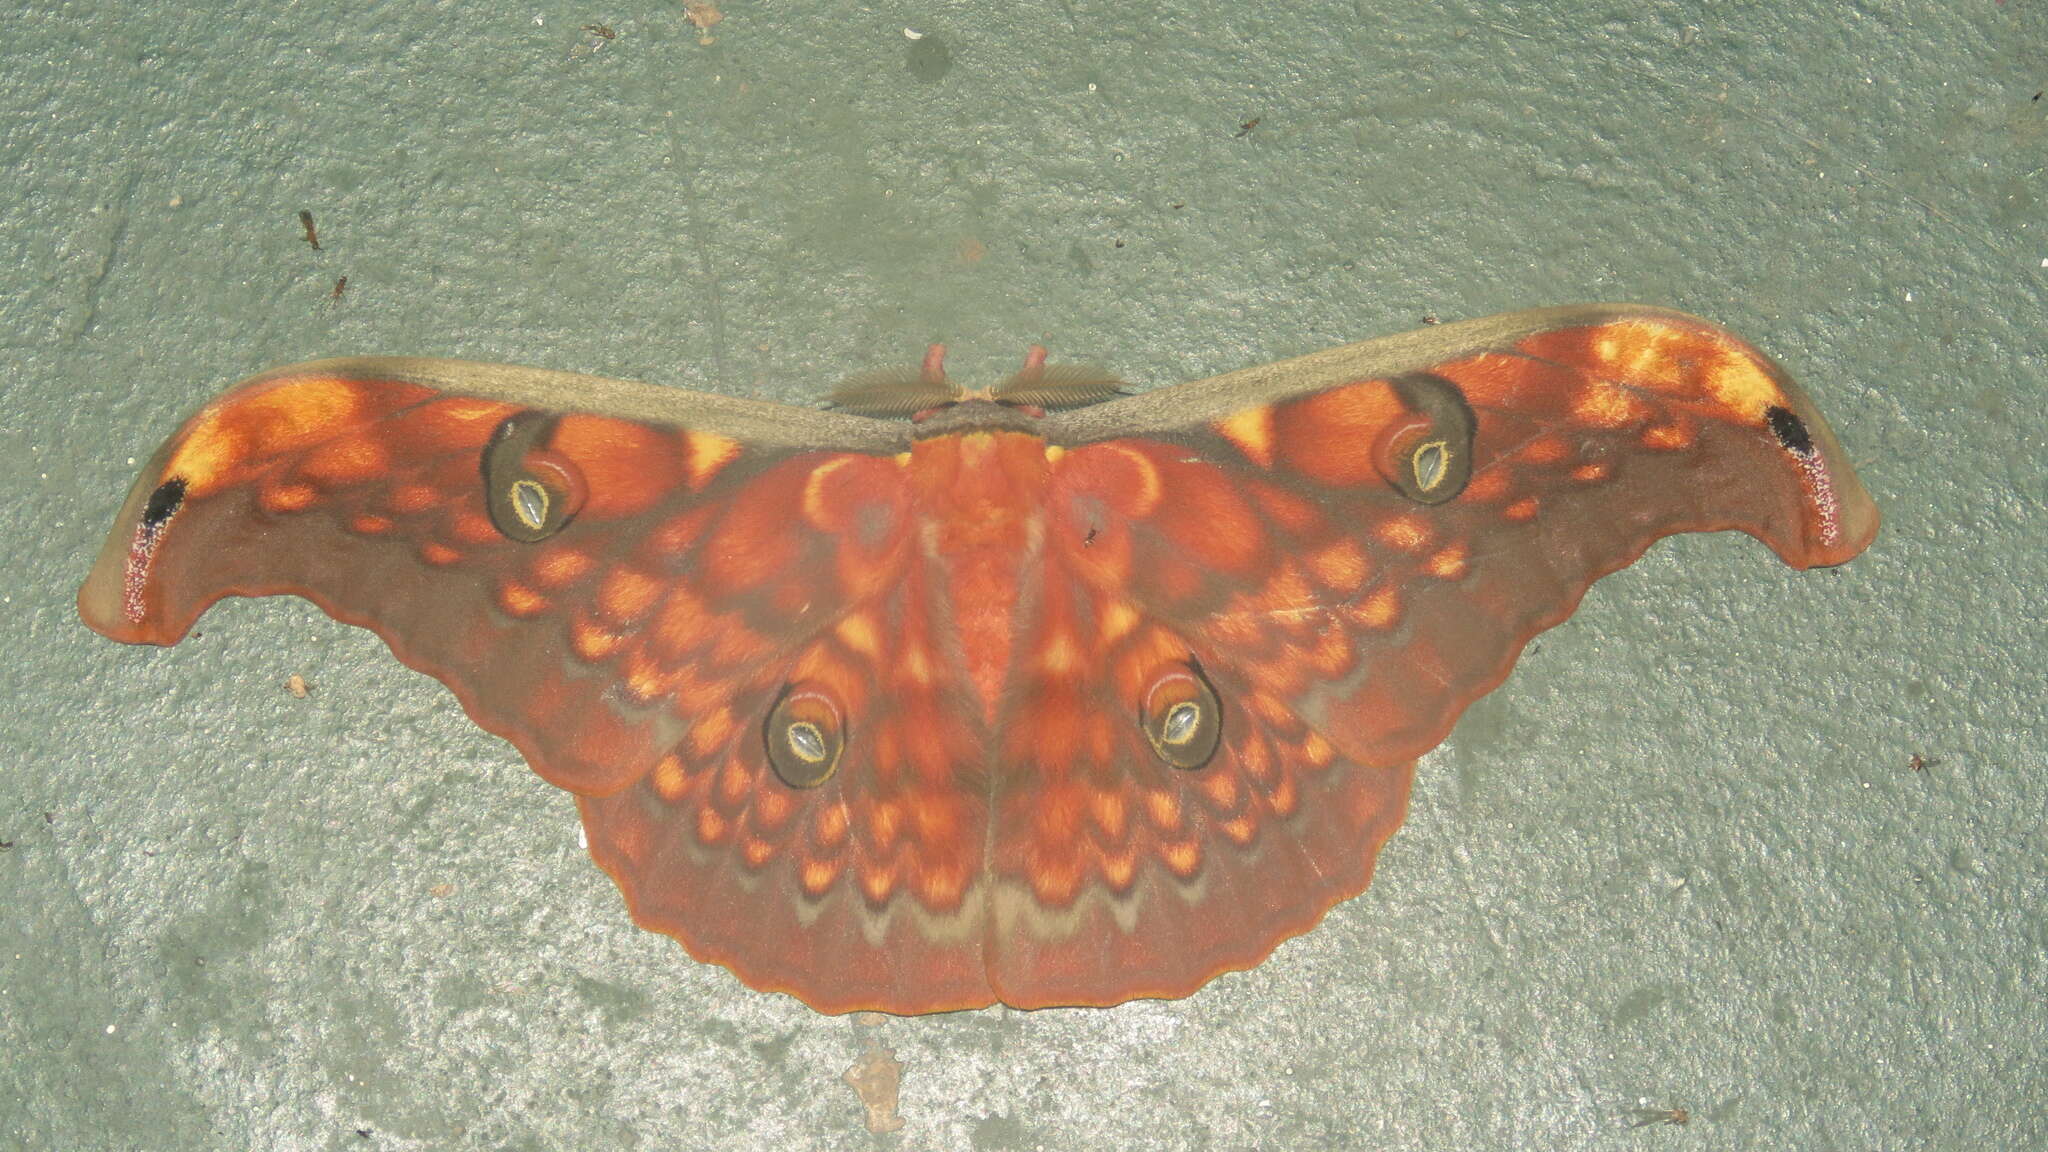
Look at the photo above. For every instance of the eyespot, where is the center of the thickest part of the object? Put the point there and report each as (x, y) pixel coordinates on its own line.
(1790, 430)
(806, 741)
(1427, 455)
(532, 492)
(530, 503)
(1182, 717)
(164, 502)
(804, 736)
(1429, 464)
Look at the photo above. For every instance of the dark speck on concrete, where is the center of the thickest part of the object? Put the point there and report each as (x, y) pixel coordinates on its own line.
(930, 59)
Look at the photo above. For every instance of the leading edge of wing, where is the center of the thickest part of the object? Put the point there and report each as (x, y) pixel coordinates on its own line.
(752, 421)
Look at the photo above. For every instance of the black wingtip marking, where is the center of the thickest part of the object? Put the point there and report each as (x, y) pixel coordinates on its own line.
(163, 502)
(1790, 430)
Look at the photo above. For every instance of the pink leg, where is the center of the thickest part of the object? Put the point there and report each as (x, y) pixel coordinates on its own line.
(934, 371)
(1034, 363)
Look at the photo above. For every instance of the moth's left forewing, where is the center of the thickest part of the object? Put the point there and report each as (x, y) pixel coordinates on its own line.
(306, 431)
(483, 519)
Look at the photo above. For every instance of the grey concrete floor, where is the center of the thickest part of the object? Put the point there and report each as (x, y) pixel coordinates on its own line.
(1678, 861)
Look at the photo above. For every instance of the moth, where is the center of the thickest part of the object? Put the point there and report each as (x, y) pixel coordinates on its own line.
(1047, 695)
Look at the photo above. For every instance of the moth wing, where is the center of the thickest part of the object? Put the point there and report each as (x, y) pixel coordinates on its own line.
(632, 585)
(1345, 550)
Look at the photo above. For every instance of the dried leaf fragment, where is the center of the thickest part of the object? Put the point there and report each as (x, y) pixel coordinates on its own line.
(702, 14)
(875, 1078)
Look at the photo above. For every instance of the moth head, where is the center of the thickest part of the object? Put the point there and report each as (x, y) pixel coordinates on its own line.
(926, 391)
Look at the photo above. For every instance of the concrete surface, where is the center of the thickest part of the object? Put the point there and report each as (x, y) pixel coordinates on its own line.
(1679, 861)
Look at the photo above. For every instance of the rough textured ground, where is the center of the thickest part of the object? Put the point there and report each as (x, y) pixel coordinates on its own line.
(1678, 861)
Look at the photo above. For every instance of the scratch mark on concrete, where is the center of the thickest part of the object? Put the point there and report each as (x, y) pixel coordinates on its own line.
(109, 251)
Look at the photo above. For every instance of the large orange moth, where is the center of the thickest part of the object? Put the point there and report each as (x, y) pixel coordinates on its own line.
(1046, 696)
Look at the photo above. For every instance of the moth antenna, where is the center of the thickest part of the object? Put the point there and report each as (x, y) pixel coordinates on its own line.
(898, 391)
(1058, 386)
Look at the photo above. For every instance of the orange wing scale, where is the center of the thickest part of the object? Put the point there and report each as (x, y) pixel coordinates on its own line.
(992, 718)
